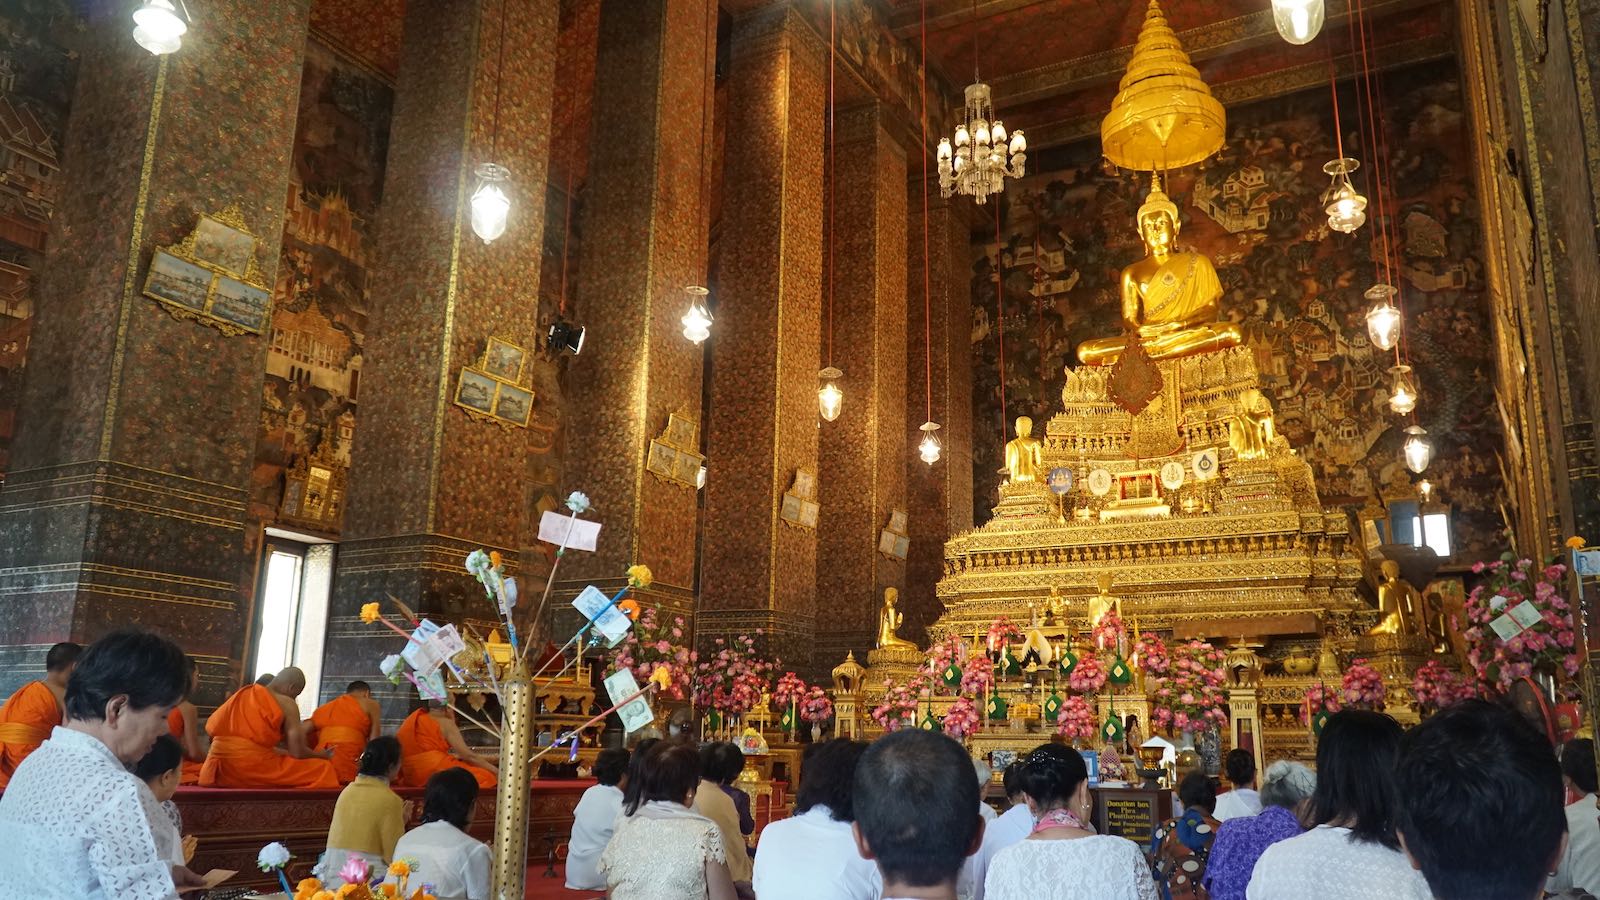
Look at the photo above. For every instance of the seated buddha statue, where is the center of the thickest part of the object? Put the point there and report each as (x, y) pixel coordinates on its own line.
(1024, 454)
(1399, 604)
(889, 621)
(1169, 298)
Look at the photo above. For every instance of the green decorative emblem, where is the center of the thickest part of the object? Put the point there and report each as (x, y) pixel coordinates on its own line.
(929, 723)
(951, 675)
(997, 708)
(1068, 662)
(1319, 721)
(714, 719)
(786, 721)
(1052, 706)
(1009, 664)
(1112, 730)
(1120, 673)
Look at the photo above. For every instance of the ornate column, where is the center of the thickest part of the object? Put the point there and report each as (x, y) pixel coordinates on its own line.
(645, 218)
(759, 570)
(431, 480)
(125, 502)
(861, 455)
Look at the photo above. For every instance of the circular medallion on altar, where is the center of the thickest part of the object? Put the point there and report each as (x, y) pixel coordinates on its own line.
(1100, 482)
(1172, 475)
(1204, 464)
(1060, 480)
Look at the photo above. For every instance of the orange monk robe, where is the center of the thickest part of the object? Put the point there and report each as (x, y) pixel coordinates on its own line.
(245, 732)
(191, 767)
(25, 723)
(342, 724)
(424, 750)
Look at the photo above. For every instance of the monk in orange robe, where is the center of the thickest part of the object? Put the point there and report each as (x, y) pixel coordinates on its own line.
(345, 724)
(430, 742)
(245, 733)
(184, 724)
(36, 707)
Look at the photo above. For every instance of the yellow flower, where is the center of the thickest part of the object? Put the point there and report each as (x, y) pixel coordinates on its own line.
(1575, 542)
(662, 677)
(388, 890)
(348, 889)
(400, 868)
(322, 895)
(369, 613)
(639, 576)
(495, 558)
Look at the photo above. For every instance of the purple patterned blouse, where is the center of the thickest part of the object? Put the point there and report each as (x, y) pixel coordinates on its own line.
(1239, 843)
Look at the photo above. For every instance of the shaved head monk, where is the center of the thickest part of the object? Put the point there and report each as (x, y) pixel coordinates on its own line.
(430, 742)
(258, 741)
(26, 719)
(345, 724)
(184, 724)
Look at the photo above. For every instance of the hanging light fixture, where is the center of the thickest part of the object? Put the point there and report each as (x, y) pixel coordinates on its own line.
(1417, 449)
(697, 321)
(1383, 317)
(158, 26)
(1345, 206)
(829, 397)
(1403, 394)
(1297, 21)
(983, 157)
(929, 448)
(491, 205)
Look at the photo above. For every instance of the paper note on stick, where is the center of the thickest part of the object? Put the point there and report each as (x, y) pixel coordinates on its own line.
(568, 531)
(636, 713)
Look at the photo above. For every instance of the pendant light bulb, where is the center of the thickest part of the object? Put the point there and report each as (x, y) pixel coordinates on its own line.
(1298, 21)
(1345, 206)
(491, 206)
(929, 448)
(829, 398)
(1403, 395)
(697, 321)
(1383, 317)
(158, 27)
(1417, 449)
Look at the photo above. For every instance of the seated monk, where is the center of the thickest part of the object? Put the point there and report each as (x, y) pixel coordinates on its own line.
(36, 707)
(245, 733)
(184, 724)
(345, 724)
(430, 742)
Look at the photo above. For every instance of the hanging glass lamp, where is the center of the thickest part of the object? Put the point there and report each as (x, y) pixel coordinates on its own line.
(1383, 317)
(829, 398)
(1345, 206)
(929, 448)
(491, 206)
(697, 321)
(1297, 21)
(1403, 392)
(158, 27)
(1417, 449)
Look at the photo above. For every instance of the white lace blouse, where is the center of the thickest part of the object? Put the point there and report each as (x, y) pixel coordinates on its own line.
(1099, 867)
(660, 853)
(1325, 863)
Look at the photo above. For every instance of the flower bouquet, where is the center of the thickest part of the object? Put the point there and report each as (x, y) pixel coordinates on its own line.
(654, 643)
(1320, 698)
(788, 690)
(961, 719)
(1189, 697)
(1002, 633)
(1075, 721)
(1110, 632)
(1088, 676)
(1362, 687)
(817, 707)
(947, 666)
(730, 679)
(1436, 686)
(977, 679)
(1537, 615)
(899, 707)
(1150, 654)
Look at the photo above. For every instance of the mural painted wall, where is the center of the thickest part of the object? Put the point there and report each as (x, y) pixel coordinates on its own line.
(38, 68)
(320, 303)
(1295, 287)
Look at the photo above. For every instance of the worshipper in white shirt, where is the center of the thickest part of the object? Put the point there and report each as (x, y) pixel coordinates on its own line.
(1480, 803)
(161, 770)
(74, 822)
(985, 775)
(593, 821)
(1580, 865)
(914, 803)
(1063, 858)
(440, 851)
(1352, 852)
(1008, 828)
(812, 853)
(1240, 764)
(661, 849)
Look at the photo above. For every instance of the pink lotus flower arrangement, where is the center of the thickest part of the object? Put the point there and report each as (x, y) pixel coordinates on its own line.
(977, 678)
(651, 644)
(817, 706)
(1002, 633)
(962, 718)
(1110, 633)
(1320, 698)
(941, 656)
(899, 707)
(1189, 697)
(1089, 676)
(1362, 687)
(1150, 653)
(1549, 643)
(1437, 686)
(789, 689)
(1075, 719)
(732, 677)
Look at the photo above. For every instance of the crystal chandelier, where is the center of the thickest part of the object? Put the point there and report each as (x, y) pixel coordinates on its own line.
(983, 157)
(929, 448)
(1383, 318)
(1346, 208)
(1403, 395)
(158, 27)
(697, 321)
(1417, 449)
(1297, 21)
(829, 397)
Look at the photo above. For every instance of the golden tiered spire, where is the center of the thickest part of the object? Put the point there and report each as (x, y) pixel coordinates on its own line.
(1163, 116)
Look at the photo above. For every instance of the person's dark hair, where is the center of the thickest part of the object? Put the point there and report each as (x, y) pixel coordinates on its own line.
(610, 765)
(165, 755)
(449, 797)
(1196, 790)
(1466, 775)
(380, 756)
(189, 667)
(1240, 764)
(1356, 756)
(827, 778)
(357, 685)
(146, 668)
(1051, 773)
(667, 771)
(62, 656)
(916, 806)
(1011, 779)
(730, 762)
(1577, 763)
(636, 761)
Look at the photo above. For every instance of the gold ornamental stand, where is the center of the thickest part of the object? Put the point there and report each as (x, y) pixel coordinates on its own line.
(511, 792)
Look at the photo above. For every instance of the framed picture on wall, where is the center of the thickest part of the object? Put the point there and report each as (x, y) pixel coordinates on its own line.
(513, 404)
(173, 280)
(680, 432)
(504, 360)
(224, 247)
(476, 391)
(245, 305)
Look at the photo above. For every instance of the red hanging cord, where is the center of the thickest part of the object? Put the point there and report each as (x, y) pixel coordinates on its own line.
(1369, 137)
(707, 101)
(927, 304)
(1000, 317)
(833, 48)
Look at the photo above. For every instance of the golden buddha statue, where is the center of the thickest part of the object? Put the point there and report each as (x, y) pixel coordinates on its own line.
(1398, 603)
(889, 621)
(1103, 602)
(1169, 298)
(1024, 454)
(1251, 434)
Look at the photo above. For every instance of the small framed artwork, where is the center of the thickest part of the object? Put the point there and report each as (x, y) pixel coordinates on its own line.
(809, 510)
(805, 484)
(244, 305)
(902, 546)
(681, 431)
(886, 539)
(513, 404)
(223, 246)
(686, 468)
(790, 511)
(177, 281)
(476, 391)
(663, 460)
(504, 360)
(897, 521)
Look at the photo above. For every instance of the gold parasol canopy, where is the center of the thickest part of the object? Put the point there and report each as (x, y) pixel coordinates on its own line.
(1163, 116)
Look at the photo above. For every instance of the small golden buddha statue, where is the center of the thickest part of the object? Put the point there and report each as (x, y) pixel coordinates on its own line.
(1102, 603)
(1169, 298)
(1024, 454)
(1252, 433)
(1398, 603)
(1436, 622)
(889, 621)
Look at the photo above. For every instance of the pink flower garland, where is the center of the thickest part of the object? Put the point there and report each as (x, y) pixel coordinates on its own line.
(789, 689)
(1150, 653)
(1437, 686)
(962, 719)
(1001, 633)
(817, 706)
(951, 650)
(1075, 719)
(731, 679)
(1110, 633)
(651, 644)
(1088, 676)
(1189, 697)
(1550, 641)
(1362, 687)
(899, 706)
(1319, 698)
(977, 678)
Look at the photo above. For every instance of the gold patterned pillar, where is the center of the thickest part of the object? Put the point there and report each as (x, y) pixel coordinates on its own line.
(511, 791)
(125, 502)
(861, 455)
(430, 480)
(759, 570)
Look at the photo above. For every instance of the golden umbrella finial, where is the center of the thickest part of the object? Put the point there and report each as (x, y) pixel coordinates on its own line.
(1164, 116)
